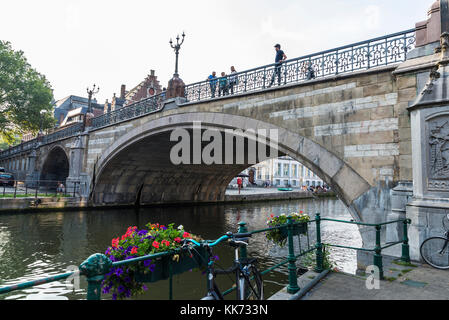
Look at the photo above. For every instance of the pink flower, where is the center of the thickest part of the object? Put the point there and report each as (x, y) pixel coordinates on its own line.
(134, 250)
(186, 235)
(156, 244)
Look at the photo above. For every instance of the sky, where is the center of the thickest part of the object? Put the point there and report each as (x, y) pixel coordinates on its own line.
(76, 44)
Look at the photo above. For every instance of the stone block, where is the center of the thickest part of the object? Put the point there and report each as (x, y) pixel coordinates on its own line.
(377, 89)
(367, 80)
(407, 94)
(406, 81)
(405, 147)
(381, 113)
(385, 77)
(405, 134)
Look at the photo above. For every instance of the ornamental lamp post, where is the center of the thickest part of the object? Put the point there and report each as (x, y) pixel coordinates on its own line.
(177, 47)
(90, 93)
(89, 114)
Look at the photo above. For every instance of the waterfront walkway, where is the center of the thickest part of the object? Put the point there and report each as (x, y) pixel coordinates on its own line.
(404, 283)
(263, 194)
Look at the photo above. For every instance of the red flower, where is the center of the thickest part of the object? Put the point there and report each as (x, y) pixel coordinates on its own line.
(156, 244)
(134, 250)
(186, 235)
(115, 243)
(272, 215)
(177, 239)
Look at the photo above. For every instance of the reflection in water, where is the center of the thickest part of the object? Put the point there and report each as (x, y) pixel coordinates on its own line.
(33, 246)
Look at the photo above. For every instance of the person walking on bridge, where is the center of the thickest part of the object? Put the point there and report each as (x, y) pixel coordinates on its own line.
(279, 59)
(233, 79)
(213, 83)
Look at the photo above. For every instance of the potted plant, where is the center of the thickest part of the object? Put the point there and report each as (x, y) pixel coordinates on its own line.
(279, 235)
(126, 281)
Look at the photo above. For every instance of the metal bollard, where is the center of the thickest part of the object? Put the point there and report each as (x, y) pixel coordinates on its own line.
(292, 272)
(377, 253)
(405, 247)
(94, 268)
(243, 229)
(318, 245)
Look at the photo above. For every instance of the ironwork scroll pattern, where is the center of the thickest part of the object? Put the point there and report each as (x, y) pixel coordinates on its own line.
(376, 52)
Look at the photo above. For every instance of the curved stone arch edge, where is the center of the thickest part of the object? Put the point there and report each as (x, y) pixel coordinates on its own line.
(347, 183)
(57, 146)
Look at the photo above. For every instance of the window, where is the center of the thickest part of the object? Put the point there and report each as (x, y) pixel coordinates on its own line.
(294, 173)
(279, 172)
(294, 182)
(286, 170)
(286, 183)
(278, 182)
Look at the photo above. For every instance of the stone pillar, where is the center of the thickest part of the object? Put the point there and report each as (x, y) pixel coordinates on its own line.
(175, 93)
(400, 196)
(430, 148)
(73, 181)
(32, 175)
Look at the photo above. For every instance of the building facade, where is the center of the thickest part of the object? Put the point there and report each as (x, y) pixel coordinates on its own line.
(282, 172)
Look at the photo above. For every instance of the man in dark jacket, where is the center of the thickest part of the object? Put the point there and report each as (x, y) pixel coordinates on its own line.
(280, 58)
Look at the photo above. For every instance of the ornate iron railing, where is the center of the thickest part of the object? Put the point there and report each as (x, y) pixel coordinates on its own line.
(28, 145)
(364, 55)
(98, 265)
(67, 132)
(64, 133)
(137, 109)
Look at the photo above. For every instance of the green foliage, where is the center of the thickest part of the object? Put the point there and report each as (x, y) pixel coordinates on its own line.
(403, 263)
(23, 94)
(277, 235)
(309, 259)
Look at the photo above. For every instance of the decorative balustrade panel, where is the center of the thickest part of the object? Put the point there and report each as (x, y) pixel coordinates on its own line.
(64, 133)
(372, 53)
(131, 111)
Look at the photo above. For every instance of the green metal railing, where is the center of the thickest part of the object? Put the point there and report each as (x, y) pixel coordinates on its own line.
(98, 265)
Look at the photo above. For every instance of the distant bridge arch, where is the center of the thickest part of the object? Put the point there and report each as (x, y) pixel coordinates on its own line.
(55, 166)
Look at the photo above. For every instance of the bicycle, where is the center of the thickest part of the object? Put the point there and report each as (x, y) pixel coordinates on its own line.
(435, 250)
(249, 283)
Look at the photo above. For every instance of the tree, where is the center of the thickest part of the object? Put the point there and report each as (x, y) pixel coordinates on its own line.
(24, 92)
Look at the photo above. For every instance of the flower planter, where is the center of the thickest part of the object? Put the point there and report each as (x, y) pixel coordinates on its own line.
(298, 229)
(161, 269)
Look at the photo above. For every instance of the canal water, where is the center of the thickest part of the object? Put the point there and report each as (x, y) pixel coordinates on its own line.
(38, 245)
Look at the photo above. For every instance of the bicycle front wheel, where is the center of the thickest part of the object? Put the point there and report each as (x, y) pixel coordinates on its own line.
(435, 252)
(252, 284)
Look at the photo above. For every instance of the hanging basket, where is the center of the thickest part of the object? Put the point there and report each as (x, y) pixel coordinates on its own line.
(298, 229)
(162, 265)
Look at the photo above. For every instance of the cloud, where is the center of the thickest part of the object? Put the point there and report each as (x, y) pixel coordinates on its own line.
(72, 18)
(267, 27)
(372, 17)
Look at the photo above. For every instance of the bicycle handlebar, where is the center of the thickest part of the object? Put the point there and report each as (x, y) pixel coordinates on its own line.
(227, 236)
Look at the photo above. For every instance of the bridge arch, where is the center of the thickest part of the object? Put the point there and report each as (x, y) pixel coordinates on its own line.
(55, 167)
(126, 166)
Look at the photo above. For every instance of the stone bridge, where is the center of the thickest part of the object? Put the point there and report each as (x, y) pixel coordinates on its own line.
(351, 126)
